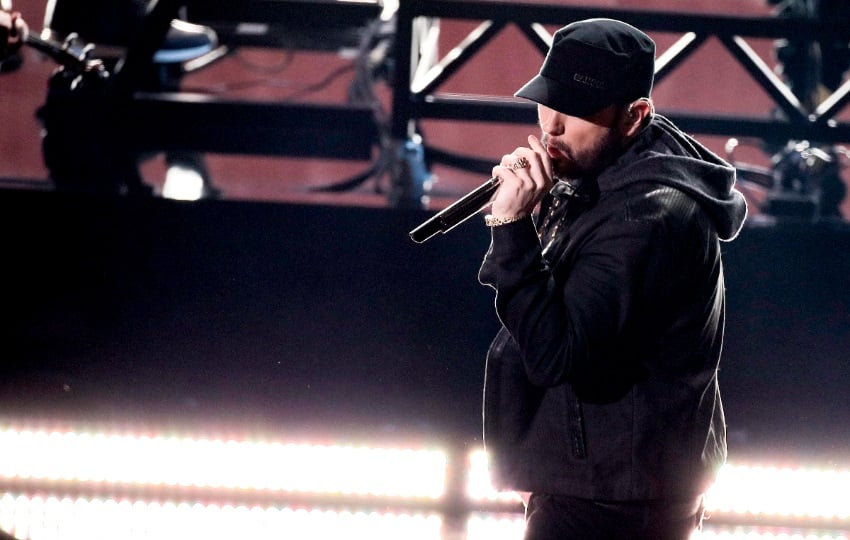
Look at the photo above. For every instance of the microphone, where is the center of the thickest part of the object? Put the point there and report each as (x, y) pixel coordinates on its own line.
(458, 212)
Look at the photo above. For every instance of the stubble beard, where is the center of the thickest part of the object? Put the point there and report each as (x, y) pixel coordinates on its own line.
(587, 163)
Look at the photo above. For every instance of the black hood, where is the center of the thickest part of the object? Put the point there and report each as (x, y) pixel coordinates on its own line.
(664, 154)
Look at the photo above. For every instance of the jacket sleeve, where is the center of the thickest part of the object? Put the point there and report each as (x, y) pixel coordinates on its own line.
(561, 323)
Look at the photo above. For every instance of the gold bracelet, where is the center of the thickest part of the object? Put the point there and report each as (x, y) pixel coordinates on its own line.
(491, 221)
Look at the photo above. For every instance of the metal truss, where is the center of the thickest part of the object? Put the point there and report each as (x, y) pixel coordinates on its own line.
(420, 74)
(98, 126)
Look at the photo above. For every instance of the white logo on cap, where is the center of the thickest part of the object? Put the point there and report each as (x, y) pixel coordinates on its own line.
(589, 81)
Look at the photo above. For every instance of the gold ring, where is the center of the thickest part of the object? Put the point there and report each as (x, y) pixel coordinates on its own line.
(520, 163)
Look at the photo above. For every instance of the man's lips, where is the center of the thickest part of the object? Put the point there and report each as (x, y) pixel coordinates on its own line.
(555, 152)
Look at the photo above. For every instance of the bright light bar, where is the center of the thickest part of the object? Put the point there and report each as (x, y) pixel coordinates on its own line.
(107, 519)
(799, 493)
(803, 493)
(749, 533)
(161, 461)
(499, 527)
(479, 486)
(505, 527)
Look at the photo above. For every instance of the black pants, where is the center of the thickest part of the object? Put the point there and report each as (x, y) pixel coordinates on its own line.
(557, 517)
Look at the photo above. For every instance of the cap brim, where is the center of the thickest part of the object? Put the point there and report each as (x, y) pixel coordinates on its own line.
(569, 100)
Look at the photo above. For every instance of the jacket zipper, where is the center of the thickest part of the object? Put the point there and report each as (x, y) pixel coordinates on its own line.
(577, 438)
(547, 235)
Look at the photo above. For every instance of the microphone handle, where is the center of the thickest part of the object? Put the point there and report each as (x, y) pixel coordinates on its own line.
(458, 212)
(57, 52)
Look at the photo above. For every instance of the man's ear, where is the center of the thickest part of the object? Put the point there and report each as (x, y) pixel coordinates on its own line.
(637, 114)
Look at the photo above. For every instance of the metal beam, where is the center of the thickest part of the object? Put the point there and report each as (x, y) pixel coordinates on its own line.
(414, 102)
(193, 122)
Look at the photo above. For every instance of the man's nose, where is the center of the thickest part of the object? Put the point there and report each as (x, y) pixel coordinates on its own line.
(551, 123)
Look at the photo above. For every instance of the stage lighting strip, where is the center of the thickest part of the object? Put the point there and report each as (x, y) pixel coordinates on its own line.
(502, 528)
(799, 493)
(741, 495)
(88, 466)
(762, 533)
(162, 464)
(53, 518)
(505, 528)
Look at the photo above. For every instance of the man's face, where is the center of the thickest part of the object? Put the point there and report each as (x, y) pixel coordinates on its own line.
(580, 147)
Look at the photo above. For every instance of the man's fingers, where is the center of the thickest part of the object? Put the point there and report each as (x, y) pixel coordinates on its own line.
(542, 154)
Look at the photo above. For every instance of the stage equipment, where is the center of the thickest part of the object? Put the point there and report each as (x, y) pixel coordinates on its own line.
(95, 134)
(802, 182)
(67, 484)
(323, 25)
(804, 178)
(421, 73)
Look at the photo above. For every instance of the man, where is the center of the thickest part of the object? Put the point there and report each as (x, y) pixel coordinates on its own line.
(601, 397)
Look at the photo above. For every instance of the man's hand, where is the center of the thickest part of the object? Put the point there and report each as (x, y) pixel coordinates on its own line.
(13, 33)
(522, 187)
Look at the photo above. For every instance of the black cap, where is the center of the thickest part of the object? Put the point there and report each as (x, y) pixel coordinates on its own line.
(592, 64)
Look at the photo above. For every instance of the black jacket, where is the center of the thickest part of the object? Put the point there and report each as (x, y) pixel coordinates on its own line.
(602, 382)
